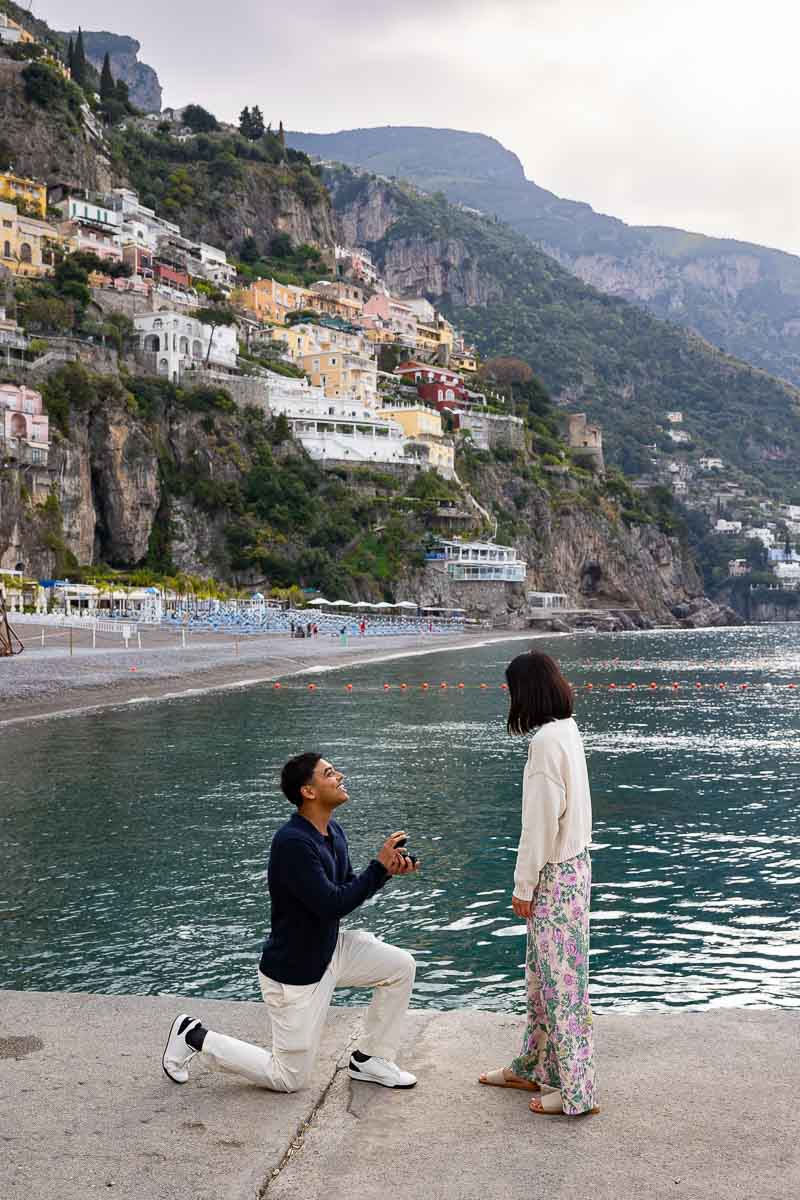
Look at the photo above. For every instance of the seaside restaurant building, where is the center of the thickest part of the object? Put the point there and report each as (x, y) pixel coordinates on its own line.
(483, 562)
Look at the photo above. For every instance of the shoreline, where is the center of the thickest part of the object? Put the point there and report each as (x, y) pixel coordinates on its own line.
(190, 680)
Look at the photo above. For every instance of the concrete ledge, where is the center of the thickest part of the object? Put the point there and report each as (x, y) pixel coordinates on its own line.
(697, 1106)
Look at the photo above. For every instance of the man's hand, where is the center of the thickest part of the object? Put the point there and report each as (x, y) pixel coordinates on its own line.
(391, 858)
(521, 907)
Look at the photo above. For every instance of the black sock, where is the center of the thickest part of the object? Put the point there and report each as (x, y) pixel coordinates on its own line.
(195, 1037)
(359, 1057)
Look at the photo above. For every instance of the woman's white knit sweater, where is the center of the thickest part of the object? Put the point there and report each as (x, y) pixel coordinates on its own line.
(556, 803)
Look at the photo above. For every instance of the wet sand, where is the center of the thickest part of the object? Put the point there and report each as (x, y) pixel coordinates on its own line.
(47, 681)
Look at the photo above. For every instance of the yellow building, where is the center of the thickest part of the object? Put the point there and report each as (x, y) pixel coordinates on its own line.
(12, 33)
(30, 191)
(416, 419)
(342, 373)
(27, 246)
(272, 301)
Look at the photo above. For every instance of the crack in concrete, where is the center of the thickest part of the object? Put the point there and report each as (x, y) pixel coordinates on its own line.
(297, 1141)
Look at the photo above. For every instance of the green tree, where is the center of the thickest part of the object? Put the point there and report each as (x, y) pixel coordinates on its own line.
(199, 119)
(215, 316)
(257, 129)
(249, 250)
(245, 122)
(79, 63)
(107, 86)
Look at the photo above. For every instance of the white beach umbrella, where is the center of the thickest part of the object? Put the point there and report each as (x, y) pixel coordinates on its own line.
(406, 604)
(322, 601)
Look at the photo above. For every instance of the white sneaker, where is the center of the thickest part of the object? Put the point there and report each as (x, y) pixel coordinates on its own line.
(382, 1071)
(176, 1056)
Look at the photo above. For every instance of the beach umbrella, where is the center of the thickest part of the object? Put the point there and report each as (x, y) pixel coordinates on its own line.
(322, 601)
(406, 604)
(384, 604)
(364, 604)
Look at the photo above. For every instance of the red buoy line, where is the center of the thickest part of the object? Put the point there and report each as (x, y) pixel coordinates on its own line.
(620, 688)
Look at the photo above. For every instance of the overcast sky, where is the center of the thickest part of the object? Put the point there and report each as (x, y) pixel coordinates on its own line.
(661, 112)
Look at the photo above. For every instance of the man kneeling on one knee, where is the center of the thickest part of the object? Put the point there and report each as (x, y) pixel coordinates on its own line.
(306, 955)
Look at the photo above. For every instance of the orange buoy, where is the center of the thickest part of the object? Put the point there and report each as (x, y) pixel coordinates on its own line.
(425, 686)
(312, 687)
(698, 685)
(386, 687)
(632, 685)
(653, 685)
(461, 686)
(744, 685)
(403, 687)
(485, 685)
(589, 686)
(443, 685)
(612, 687)
(675, 687)
(348, 687)
(276, 686)
(503, 687)
(792, 685)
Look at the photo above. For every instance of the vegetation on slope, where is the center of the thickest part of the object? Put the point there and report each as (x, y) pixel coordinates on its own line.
(613, 360)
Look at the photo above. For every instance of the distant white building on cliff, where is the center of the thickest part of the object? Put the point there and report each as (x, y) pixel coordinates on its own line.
(478, 562)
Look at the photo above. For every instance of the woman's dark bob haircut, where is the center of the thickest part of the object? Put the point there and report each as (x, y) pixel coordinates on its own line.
(538, 692)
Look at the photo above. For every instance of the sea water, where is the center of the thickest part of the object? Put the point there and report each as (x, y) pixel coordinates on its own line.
(134, 841)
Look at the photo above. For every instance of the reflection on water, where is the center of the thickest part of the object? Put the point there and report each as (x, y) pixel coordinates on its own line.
(134, 842)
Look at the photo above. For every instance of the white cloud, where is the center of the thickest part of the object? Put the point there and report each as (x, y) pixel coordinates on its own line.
(681, 114)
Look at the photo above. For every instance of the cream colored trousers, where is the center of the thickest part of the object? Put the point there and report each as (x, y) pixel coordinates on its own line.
(298, 1014)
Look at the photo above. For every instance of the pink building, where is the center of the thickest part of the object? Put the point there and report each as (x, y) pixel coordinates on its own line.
(24, 426)
(399, 317)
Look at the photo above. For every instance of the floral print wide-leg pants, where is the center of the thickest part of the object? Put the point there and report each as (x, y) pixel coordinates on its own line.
(558, 1047)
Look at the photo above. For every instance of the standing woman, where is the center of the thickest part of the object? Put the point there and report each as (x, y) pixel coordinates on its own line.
(552, 885)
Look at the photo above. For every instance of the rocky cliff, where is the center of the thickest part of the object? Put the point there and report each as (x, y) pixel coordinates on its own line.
(48, 143)
(143, 83)
(742, 297)
(600, 353)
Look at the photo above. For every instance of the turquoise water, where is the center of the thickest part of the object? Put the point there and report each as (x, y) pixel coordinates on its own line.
(134, 842)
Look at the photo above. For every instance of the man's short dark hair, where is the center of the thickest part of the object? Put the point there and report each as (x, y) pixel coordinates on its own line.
(297, 773)
(538, 692)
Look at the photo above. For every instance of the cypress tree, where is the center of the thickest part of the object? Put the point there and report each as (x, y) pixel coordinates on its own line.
(79, 61)
(256, 123)
(245, 122)
(71, 56)
(107, 86)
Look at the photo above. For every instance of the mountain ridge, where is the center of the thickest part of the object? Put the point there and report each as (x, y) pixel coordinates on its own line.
(740, 296)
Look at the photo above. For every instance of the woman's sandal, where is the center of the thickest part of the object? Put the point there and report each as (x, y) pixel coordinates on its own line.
(499, 1078)
(536, 1107)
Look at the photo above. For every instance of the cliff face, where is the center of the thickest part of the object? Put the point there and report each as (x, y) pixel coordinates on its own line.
(143, 83)
(740, 296)
(43, 147)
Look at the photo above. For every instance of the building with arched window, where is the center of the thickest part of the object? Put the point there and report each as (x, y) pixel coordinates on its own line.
(175, 343)
(24, 426)
(28, 246)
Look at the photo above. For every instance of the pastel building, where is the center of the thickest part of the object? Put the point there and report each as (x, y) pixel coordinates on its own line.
(91, 225)
(28, 246)
(479, 562)
(271, 301)
(174, 343)
(32, 193)
(336, 430)
(24, 425)
(396, 316)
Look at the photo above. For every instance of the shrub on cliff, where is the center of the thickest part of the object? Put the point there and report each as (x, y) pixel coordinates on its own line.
(45, 86)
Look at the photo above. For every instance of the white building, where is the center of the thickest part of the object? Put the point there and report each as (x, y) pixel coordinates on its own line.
(180, 342)
(790, 511)
(788, 572)
(675, 418)
(10, 32)
(723, 526)
(763, 535)
(737, 567)
(336, 430)
(679, 435)
(709, 463)
(481, 562)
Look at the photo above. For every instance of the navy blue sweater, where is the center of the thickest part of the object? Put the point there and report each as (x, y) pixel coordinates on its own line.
(311, 885)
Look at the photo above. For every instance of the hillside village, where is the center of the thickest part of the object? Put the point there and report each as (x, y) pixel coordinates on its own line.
(361, 377)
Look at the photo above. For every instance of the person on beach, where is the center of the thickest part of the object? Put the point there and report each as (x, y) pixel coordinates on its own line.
(552, 884)
(306, 955)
